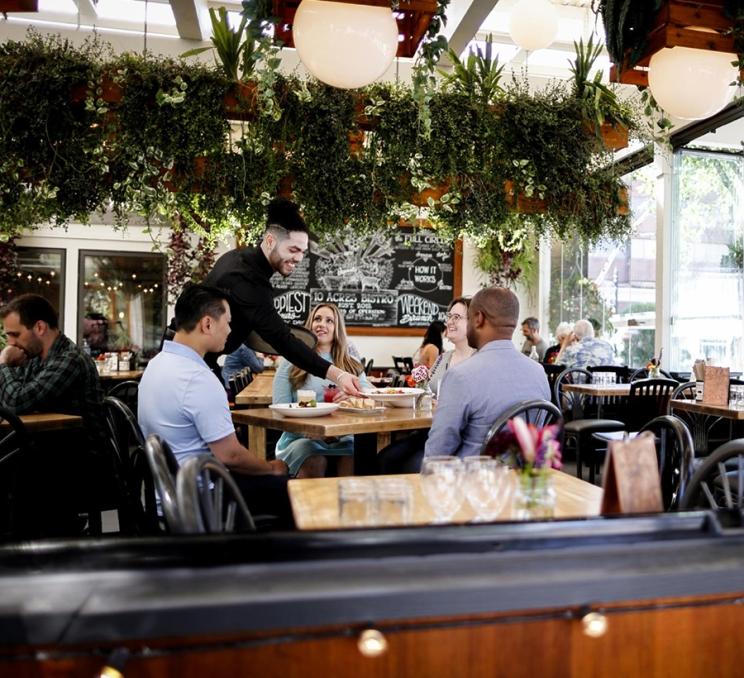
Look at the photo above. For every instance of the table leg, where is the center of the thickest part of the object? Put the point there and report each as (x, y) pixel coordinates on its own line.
(257, 441)
(365, 454)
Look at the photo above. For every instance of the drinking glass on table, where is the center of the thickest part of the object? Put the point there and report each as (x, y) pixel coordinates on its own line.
(488, 486)
(441, 483)
(357, 502)
(394, 501)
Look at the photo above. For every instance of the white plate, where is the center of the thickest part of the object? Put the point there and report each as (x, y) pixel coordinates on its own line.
(361, 410)
(294, 410)
(406, 397)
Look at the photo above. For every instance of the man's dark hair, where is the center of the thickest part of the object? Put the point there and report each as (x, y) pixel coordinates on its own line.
(532, 323)
(30, 309)
(284, 217)
(195, 302)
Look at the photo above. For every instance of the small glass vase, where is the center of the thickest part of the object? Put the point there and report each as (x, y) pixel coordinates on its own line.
(425, 401)
(535, 497)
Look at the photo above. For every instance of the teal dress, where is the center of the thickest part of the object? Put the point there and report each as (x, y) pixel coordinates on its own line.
(293, 448)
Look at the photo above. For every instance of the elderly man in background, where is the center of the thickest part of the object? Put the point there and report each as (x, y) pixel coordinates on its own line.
(478, 391)
(587, 351)
(563, 335)
(532, 338)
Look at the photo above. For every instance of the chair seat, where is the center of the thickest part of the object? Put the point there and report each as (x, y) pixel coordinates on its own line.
(610, 436)
(593, 425)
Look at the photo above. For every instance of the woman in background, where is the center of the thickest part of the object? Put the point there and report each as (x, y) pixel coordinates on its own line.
(307, 458)
(456, 332)
(431, 346)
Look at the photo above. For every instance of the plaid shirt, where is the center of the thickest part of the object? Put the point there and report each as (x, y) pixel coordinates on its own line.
(67, 382)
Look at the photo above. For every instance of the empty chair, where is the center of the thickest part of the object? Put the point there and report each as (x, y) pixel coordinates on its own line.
(208, 498)
(674, 452)
(552, 372)
(14, 446)
(126, 391)
(538, 412)
(579, 428)
(404, 364)
(137, 511)
(164, 469)
(368, 366)
(719, 481)
(648, 398)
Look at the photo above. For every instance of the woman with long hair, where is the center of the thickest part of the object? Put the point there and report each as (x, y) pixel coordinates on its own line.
(307, 458)
(432, 345)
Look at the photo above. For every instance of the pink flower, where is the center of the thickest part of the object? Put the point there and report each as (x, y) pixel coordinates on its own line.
(526, 438)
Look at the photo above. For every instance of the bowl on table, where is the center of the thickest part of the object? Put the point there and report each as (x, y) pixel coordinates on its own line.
(294, 409)
(396, 397)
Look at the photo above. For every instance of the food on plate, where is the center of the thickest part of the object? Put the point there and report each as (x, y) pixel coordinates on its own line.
(307, 398)
(359, 403)
(389, 391)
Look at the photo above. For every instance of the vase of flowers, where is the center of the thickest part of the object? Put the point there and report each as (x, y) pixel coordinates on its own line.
(532, 452)
(420, 377)
(654, 366)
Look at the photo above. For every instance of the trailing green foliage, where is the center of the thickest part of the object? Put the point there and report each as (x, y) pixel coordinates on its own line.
(81, 131)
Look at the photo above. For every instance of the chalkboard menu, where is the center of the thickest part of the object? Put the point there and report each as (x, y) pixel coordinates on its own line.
(386, 283)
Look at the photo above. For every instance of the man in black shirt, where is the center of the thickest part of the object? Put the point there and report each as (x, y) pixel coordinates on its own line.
(245, 274)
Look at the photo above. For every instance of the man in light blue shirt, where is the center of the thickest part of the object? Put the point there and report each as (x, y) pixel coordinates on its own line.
(181, 400)
(478, 391)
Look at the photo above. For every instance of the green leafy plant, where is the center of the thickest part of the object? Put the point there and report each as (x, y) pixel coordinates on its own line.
(478, 77)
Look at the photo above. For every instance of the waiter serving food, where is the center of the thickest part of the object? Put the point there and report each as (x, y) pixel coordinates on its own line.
(245, 275)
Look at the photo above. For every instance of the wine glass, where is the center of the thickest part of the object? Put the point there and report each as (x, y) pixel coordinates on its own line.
(488, 485)
(441, 483)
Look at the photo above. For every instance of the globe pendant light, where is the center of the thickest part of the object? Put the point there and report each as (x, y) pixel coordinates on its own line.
(533, 24)
(691, 84)
(345, 45)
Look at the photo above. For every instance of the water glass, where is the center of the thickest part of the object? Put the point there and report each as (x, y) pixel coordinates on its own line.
(394, 501)
(488, 486)
(357, 500)
(441, 483)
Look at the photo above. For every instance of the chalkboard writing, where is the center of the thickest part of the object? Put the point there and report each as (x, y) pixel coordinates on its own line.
(399, 281)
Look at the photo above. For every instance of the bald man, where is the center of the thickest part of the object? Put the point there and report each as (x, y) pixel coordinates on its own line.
(478, 391)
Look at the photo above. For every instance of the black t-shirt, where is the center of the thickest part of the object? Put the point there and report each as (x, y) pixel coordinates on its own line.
(245, 275)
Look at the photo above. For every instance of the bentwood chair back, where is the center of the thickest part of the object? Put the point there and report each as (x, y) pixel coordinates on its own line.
(164, 469)
(675, 453)
(552, 372)
(14, 446)
(404, 364)
(126, 391)
(538, 412)
(137, 506)
(208, 498)
(719, 481)
(648, 398)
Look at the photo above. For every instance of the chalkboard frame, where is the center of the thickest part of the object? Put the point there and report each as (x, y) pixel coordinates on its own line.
(361, 330)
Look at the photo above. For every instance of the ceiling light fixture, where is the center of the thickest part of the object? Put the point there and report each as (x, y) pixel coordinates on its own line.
(345, 45)
(533, 24)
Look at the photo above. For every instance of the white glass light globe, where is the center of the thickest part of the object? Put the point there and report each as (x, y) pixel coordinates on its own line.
(691, 84)
(345, 45)
(533, 24)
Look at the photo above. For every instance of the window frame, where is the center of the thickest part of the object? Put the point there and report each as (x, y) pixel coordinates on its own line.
(62, 252)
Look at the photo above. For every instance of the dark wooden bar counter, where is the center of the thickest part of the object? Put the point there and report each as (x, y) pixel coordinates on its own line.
(482, 600)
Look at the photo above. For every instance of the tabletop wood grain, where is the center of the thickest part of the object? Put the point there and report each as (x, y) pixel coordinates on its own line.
(602, 390)
(258, 392)
(697, 407)
(49, 421)
(315, 501)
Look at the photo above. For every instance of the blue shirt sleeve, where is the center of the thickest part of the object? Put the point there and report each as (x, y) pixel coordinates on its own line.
(205, 403)
(282, 391)
(450, 417)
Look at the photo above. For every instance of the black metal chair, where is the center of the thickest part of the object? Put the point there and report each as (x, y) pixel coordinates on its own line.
(208, 498)
(621, 372)
(137, 509)
(719, 482)
(404, 364)
(126, 391)
(642, 373)
(14, 445)
(675, 452)
(164, 469)
(368, 366)
(684, 391)
(552, 372)
(538, 412)
(648, 398)
(579, 428)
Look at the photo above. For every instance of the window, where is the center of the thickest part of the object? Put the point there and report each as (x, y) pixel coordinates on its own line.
(707, 267)
(613, 284)
(122, 301)
(41, 271)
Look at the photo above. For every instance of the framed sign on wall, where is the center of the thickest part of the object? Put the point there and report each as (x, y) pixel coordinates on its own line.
(384, 283)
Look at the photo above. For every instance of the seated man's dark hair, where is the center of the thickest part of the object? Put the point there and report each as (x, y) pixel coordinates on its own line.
(283, 217)
(195, 302)
(30, 309)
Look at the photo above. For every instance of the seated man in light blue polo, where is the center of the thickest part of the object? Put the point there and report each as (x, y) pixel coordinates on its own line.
(182, 401)
(587, 350)
(477, 392)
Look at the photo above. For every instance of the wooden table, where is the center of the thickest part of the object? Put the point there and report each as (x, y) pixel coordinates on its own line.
(598, 390)
(702, 417)
(315, 501)
(258, 392)
(371, 432)
(48, 421)
(124, 375)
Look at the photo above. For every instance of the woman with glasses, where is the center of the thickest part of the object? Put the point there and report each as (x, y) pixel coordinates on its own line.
(456, 331)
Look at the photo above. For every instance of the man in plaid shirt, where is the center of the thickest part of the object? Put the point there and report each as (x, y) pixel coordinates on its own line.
(42, 370)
